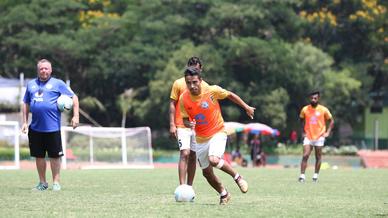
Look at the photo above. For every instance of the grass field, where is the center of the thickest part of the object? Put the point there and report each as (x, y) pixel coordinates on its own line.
(149, 193)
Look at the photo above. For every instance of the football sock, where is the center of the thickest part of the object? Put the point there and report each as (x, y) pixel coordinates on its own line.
(302, 176)
(315, 176)
(236, 176)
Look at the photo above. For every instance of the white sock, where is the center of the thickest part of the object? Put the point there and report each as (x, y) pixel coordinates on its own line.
(223, 193)
(302, 176)
(315, 176)
(236, 176)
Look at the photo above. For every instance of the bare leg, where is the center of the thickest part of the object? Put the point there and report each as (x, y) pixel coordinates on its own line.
(41, 167)
(318, 159)
(255, 164)
(55, 164)
(226, 167)
(191, 167)
(182, 165)
(212, 179)
(242, 184)
(306, 154)
(263, 159)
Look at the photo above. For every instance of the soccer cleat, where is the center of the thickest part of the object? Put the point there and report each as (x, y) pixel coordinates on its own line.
(242, 184)
(56, 187)
(40, 187)
(301, 180)
(315, 180)
(225, 199)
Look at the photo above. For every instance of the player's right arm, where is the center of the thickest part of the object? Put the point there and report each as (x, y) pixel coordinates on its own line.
(174, 97)
(172, 118)
(302, 122)
(185, 116)
(188, 123)
(26, 110)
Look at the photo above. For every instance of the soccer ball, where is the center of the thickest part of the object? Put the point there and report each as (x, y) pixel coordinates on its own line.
(184, 193)
(64, 102)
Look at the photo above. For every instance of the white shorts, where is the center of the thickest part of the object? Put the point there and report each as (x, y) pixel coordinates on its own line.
(214, 147)
(319, 142)
(186, 139)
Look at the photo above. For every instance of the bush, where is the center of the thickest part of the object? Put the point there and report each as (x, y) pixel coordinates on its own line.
(8, 153)
(343, 150)
(164, 143)
(282, 149)
(297, 149)
(165, 153)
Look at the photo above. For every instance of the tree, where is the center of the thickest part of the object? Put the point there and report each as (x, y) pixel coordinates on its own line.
(124, 101)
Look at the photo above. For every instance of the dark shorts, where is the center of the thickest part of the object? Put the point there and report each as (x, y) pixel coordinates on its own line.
(42, 142)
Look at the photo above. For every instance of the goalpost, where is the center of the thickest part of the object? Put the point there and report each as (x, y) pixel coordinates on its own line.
(106, 147)
(9, 145)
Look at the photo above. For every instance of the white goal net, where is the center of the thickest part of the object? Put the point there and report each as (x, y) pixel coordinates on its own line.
(9, 145)
(106, 147)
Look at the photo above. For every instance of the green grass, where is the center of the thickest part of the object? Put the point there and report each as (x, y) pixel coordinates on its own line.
(149, 193)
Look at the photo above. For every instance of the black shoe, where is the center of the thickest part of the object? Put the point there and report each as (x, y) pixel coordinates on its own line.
(301, 180)
(41, 187)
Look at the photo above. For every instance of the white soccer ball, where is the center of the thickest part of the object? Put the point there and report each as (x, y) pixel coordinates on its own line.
(184, 193)
(64, 102)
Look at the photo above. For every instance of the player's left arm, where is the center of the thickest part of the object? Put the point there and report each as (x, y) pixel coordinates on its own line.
(329, 118)
(64, 89)
(75, 119)
(237, 100)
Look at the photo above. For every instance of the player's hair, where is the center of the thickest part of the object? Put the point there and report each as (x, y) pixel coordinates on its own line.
(315, 92)
(193, 61)
(42, 61)
(192, 71)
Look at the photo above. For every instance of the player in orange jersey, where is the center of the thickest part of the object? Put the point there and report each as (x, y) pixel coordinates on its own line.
(314, 118)
(184, 136)
(200, 103)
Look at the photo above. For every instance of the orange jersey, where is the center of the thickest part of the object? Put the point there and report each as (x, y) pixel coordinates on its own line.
(315, 120)
(205, 110)
(178, 88)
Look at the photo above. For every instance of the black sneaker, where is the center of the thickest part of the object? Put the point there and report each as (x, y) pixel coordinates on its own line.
(41, 187)
(315, 180)
(301, 180)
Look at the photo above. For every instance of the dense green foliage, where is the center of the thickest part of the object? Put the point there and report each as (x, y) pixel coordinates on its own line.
(122, 56)
(149, 193)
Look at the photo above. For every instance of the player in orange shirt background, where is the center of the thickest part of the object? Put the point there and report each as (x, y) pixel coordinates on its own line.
(200, 103)
(314, 118)
(185, 136)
